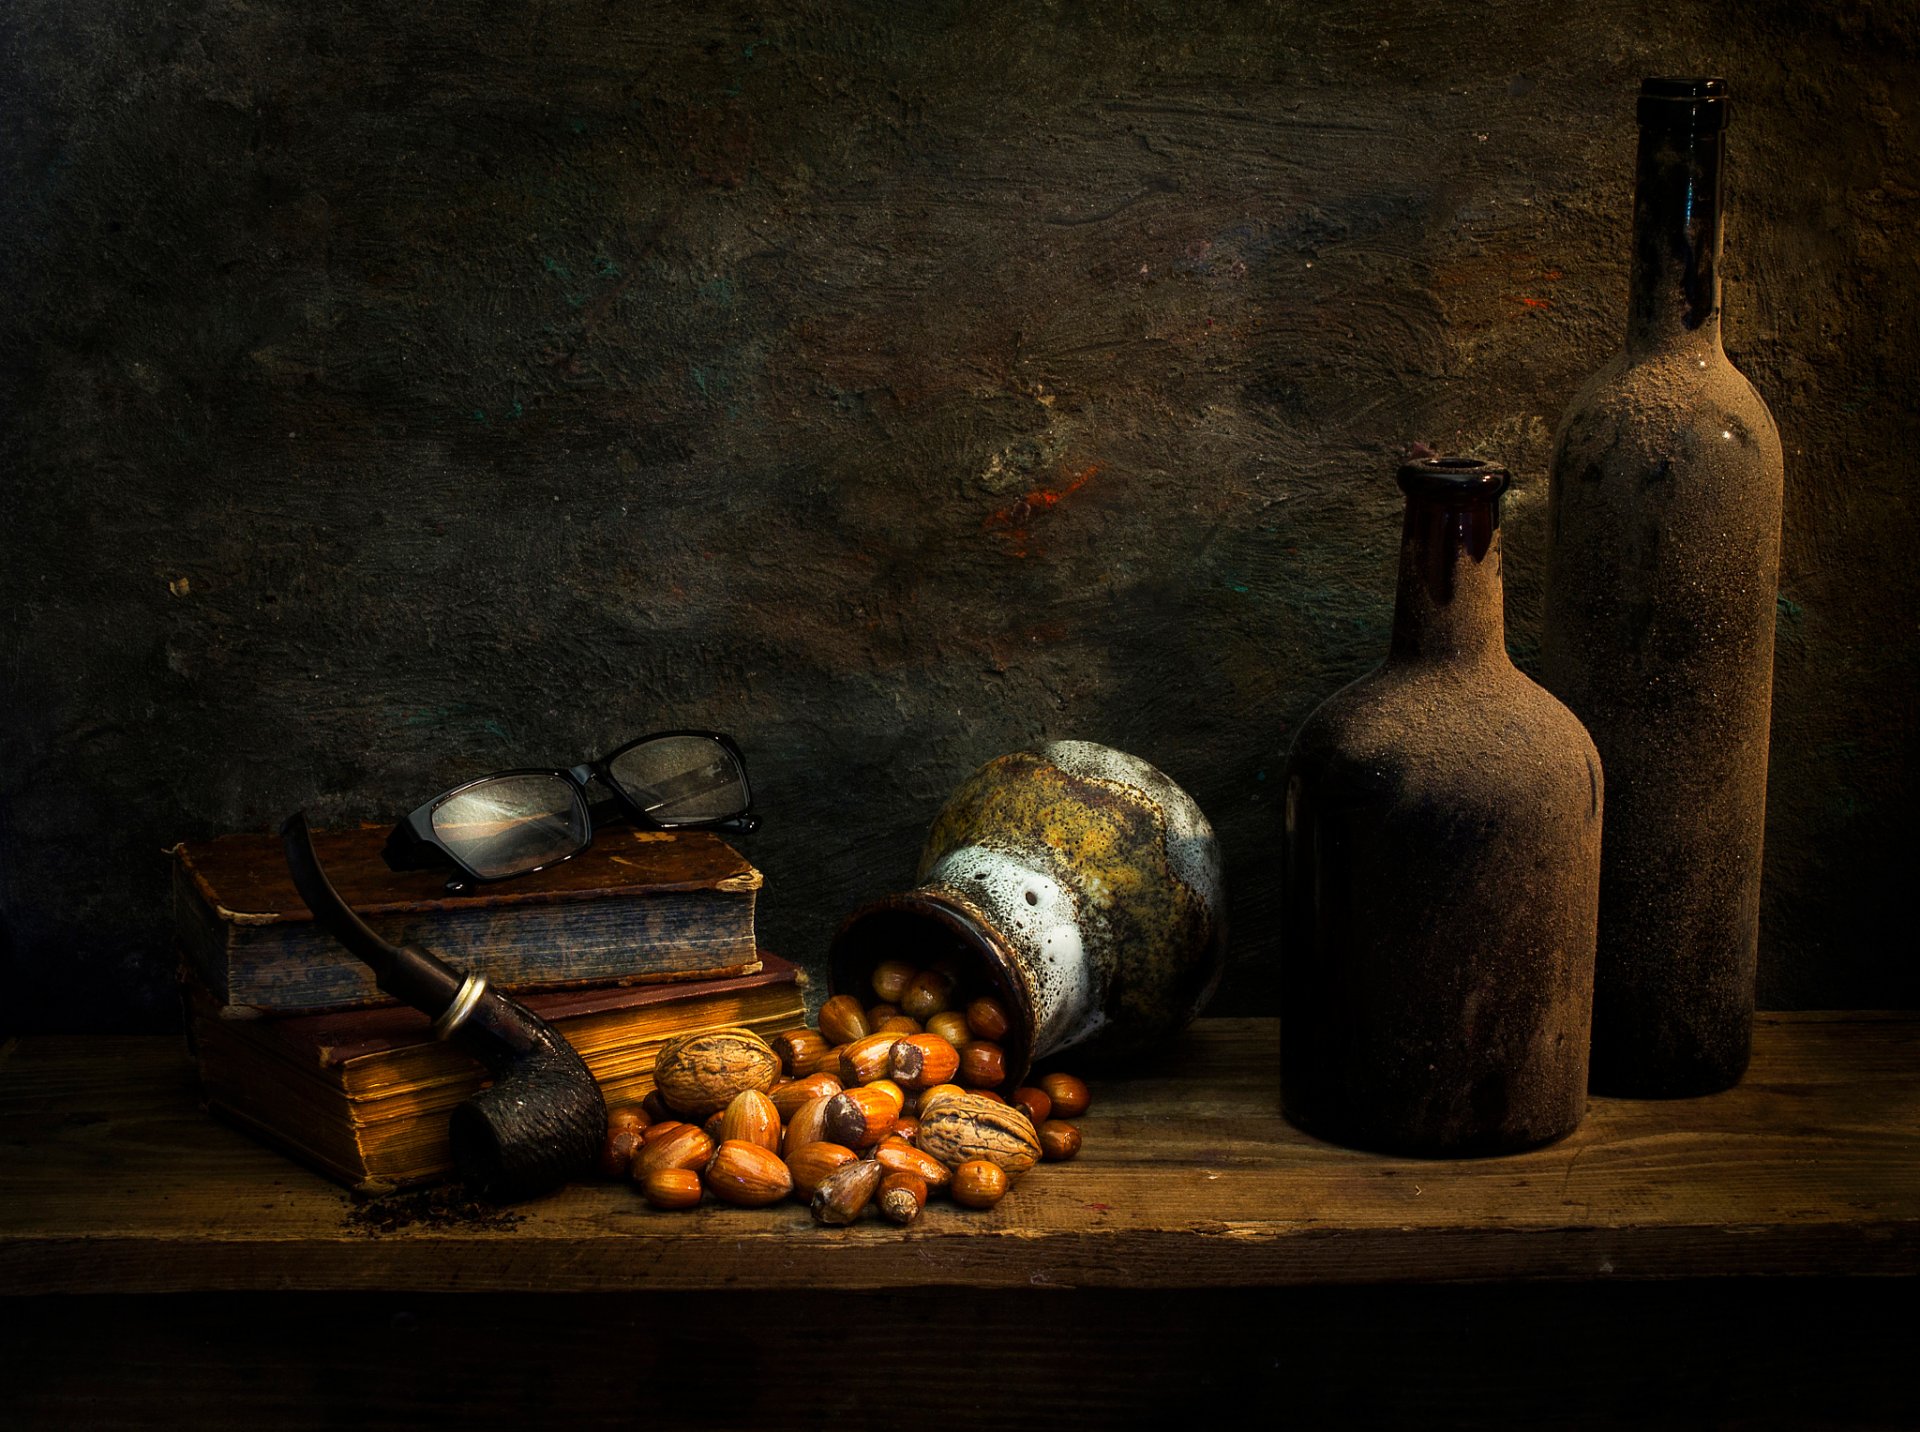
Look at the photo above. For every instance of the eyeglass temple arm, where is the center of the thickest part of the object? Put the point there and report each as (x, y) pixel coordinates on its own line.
(409, 974)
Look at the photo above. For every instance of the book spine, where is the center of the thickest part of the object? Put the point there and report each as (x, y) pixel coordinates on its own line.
(670, 935)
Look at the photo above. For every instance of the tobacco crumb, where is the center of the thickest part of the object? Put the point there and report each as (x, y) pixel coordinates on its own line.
(448, 1206)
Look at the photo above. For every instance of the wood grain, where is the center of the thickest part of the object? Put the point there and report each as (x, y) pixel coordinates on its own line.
(113, 1181)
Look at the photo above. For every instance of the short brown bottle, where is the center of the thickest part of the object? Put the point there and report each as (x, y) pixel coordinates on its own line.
(1441, 868)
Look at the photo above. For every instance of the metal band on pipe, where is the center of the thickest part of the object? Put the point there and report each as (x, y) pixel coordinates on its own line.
(464, 1003)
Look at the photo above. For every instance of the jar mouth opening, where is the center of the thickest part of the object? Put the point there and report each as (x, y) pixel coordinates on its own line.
(922, 928)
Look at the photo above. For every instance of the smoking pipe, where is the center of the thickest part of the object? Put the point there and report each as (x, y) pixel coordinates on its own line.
(542, 1120)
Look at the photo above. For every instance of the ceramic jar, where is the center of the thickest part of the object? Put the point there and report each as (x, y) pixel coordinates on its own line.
(1078, 883)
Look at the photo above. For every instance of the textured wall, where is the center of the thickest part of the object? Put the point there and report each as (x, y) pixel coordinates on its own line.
(396, 392)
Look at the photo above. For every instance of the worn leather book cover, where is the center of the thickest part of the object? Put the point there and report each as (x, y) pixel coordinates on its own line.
(364, 1095)
(636, 906)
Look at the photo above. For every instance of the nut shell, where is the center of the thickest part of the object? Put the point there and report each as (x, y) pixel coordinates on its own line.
(978, 1183)
(747, 1175)
(789, 1097)
(987, 1018)
(924, 1061)
(891, 978)
(687, 1146)
(983, 1064)
(810, 1165)
(898, 1156)
(964, 1127)
(867, 1059)
(1070, 1095)
(842, 1020)
(808, 1125)
(843, 1193)
(951, 1025)
(797, 1048)
(698, 1074)
(751, 1118)
(902, 1196)
(1059, 1140)
(1035, 1101)
(616, 1152)
(860, 1118)
(671, 1188)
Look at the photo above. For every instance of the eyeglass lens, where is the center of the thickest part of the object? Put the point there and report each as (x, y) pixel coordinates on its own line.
(512, 824)
(680, 780)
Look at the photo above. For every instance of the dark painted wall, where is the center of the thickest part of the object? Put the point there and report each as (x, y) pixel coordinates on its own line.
(393, 393)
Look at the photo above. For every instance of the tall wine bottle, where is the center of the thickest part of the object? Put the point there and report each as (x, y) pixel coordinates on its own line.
(1664, 515)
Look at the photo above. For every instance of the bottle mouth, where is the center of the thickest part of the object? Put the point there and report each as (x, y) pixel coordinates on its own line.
(1683, 102)
(1455, 479)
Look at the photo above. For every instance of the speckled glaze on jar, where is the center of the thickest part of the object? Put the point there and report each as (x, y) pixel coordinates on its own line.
(1082, 883)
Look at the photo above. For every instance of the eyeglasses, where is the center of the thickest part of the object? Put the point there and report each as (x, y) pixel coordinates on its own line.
(515, 822)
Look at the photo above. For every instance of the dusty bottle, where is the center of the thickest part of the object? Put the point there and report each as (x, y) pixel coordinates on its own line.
(1441, 868)
(1658, 627)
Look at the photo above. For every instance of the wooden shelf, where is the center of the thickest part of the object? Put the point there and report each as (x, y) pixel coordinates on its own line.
(112, 1180)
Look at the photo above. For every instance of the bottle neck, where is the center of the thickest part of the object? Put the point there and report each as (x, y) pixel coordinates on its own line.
(1449, 603)
(1674, 290)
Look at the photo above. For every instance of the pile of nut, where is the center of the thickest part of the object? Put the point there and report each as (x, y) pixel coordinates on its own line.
(885, 1105)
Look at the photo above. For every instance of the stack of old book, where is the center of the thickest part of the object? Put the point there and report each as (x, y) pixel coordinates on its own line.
(644, 936)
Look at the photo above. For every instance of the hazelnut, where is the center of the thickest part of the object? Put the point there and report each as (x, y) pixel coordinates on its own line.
(902, 1196)
(671, 1188)
(751, 1118)
(808, 1124)
(876, 1013)
(1059, 1140)
(926, 994)
(684, 1147)
(1070, 1095)
(906, 1127)
(813, 1163)
(897, 1024)
(951, 1025)
(616, 1153)
(978, 1183)
(842, 1194)
(859, 1118)
(788, 1098)
(842, 1020)
(747, 1175)
(867, 1059)
(930, 1097)
(891, 978)
(660, 1130)
(987, 1018)
(627, 1116)
(1035, 1101)
(898, 1156)
(825, 1060)
(796, 1047)
(655, 1107)
(983, 1064)
(921, 1061)
(895, 1094)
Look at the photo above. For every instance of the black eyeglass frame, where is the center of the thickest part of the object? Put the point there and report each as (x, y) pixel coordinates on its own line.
(413, 844)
